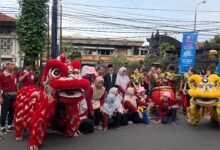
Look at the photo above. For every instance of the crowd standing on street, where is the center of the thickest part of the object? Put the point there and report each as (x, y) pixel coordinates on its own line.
(114, 99)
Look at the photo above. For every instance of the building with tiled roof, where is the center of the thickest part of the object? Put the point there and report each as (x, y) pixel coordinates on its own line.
(9, 47)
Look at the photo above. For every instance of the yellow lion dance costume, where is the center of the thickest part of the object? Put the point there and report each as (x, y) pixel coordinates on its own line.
(205, 101)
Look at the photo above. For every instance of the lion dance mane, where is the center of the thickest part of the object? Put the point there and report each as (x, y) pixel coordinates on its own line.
(205, 98)
(59, 104)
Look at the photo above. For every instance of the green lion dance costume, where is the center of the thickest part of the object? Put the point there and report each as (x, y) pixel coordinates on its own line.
(205, 101)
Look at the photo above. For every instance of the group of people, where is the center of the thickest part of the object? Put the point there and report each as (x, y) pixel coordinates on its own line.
(113, 100)
(118, 99)
(10, 82)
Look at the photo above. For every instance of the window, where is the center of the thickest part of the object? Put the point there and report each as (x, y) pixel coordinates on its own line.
(144, 52)
(135, 51)
(89, 51)
(105, 52)
(6, 46)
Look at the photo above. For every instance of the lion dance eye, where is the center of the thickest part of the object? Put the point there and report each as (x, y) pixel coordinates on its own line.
(76, 71)
(193, 83)
(55, 72)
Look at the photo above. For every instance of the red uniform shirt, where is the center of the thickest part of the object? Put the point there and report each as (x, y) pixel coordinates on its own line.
(164, 107)
(8, 82)
(28, 80)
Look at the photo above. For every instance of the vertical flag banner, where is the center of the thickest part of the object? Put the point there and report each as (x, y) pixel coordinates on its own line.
(217, 70)
(188, 51)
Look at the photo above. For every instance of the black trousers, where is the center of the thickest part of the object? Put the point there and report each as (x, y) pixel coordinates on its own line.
(169, 116)
(86, 126)
(7, 109)
(98, 116)
(116, 119)
(123, 120)
(134, 117)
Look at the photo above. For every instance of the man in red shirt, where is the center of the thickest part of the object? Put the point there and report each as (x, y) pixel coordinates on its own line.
(8, 89)
(27, 77)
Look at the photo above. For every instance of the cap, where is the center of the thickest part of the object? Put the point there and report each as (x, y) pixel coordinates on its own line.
(91, 70)
(167, 94)
(141, 89)
(110, 65)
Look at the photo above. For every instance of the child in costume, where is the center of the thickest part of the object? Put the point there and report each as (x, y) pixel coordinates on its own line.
(113, 109)
(167, 109)
(131, 103)
(144, 111)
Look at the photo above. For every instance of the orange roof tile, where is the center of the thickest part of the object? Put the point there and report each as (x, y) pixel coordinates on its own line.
(6, 18)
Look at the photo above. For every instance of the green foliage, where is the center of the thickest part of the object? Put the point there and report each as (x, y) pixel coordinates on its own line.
(212, 67)
(71, 52)
(153, 59)
(121, 60)
(166, 46)
(162, 58)
(32, 27)
(216, 40)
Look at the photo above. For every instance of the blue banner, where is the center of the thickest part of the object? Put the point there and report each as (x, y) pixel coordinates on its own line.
(217, 70)
(188, 51)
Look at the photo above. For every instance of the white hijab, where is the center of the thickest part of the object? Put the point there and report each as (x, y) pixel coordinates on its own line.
(118, 100)
(109, 105)
(113, 103)
(122, 80)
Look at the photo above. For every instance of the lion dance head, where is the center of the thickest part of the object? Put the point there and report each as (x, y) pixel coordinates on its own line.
(205, 90)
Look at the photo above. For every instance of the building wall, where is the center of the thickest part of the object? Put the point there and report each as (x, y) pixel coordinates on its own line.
(9, 49)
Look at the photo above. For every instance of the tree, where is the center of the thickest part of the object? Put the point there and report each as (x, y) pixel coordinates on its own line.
(71, 52)
(216, 40)
(166, 47)
(32, 28)
(121, 60)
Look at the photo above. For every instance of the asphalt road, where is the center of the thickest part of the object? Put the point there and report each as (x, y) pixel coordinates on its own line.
(206, 136)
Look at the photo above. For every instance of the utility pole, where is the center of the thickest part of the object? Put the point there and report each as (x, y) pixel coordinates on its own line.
(61, 39)
(203, 2)
(54, 47)
(48, 34)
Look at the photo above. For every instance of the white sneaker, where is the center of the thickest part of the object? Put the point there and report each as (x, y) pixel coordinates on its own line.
(130, 122)
(100, 128)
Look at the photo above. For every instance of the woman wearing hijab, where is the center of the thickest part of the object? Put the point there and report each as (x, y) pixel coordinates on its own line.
(122, 80)
(113, 109)
(131, 103)
(95, 99)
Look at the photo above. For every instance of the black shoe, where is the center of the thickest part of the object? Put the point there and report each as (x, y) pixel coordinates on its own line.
(3, 131)
(10, 129)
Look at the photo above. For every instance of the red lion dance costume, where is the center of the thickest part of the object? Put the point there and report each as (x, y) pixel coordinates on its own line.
(60, 104)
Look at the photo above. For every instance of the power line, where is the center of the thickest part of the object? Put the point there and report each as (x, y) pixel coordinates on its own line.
(133, 8)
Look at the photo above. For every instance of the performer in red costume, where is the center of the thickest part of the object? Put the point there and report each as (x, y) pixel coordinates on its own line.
(167, 109)
(59, 104)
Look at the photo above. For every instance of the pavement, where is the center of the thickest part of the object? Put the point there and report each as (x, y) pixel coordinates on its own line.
(183, 136)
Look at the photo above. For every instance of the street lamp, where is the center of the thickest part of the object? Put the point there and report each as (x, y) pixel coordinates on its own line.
(203, 2)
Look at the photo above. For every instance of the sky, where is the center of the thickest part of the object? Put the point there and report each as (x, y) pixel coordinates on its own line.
(133, 19)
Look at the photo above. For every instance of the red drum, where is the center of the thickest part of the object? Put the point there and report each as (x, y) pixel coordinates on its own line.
(157, 93)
